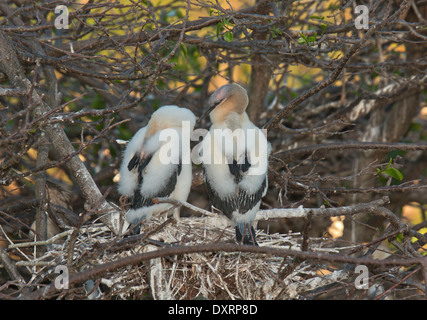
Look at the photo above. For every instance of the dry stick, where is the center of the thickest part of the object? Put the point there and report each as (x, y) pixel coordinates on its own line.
(135, 40)
(11, 66)
(185, 204)
(41, 243)
(307, 226)
(301, 212)
(10, 266)
(13, 92)
(10, 241)
(40, 187)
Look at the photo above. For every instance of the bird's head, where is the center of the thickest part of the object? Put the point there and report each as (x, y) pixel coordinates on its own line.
(228, 98)
(170, 117)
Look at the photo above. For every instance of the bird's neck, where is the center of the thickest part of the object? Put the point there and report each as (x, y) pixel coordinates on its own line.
(225, 116)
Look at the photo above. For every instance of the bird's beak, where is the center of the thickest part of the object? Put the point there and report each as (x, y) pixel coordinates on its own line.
(208, 111)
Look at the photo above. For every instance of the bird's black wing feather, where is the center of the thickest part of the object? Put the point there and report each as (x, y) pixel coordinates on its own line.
(238, 169)
(247, 201)
(234, 169)
(246, 165)
(133, 162)
(145, 200)
(241, 202)
(225, 205)
(139, 163)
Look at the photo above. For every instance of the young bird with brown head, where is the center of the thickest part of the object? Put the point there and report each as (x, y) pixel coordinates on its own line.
(235, 159)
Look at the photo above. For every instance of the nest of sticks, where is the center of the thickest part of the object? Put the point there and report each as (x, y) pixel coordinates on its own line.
(196, 257)
(187, 275)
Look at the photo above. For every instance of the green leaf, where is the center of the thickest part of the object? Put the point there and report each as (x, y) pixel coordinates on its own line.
(317, 17)
(393, 172)
(323, 27)
(228, 36)
(312, 38)
(302, 39)
(184, 50)
(275, 31)
(219, 28)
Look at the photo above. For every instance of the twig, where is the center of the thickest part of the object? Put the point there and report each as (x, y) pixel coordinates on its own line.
(10, 266)
(185, 204)
(41, 243)
(323, 212)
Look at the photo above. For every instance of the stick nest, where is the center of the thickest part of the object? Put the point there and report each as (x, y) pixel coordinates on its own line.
(213, 275)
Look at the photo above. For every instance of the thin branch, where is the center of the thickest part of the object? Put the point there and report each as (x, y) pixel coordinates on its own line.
(10, 266)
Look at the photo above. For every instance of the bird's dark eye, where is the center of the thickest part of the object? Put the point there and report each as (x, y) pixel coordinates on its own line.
(217, 103)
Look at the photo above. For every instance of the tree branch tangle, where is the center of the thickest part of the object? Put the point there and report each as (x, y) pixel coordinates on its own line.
(340, 87)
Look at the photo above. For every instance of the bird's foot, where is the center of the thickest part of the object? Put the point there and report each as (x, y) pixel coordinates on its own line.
(135, 226)
(245, 234)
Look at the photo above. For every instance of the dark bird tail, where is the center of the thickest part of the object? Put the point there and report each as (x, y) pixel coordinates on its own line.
(245, 234)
